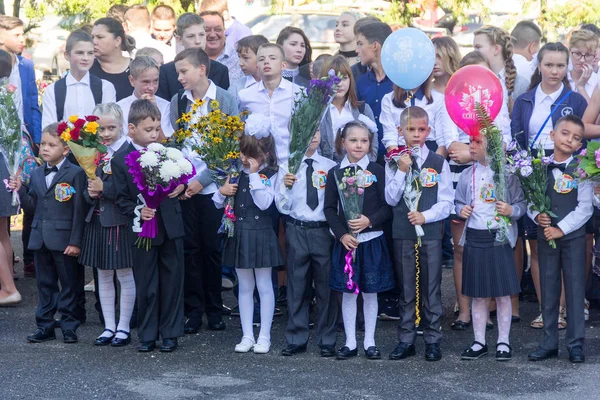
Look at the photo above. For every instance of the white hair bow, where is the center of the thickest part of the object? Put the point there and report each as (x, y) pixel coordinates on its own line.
(258, 125)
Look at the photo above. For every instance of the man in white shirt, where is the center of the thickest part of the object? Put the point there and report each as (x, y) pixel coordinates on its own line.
(137, 19)
(273, 97)
(527, 36)
(143, 76)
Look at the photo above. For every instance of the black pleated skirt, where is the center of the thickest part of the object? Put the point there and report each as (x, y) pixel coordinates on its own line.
(253, 248)
(489, 268)
(106, 248)
(373, 270)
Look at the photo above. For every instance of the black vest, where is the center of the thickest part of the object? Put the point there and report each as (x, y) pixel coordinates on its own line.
(428, 180)
(248, 215)
(563, 195)
(60, 94)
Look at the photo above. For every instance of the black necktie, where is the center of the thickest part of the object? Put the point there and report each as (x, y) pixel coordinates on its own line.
(312, 199)
(48, 170)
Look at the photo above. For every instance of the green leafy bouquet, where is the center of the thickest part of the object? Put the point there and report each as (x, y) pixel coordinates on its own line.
(10, 132)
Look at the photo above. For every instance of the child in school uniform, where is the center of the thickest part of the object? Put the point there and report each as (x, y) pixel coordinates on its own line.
(489, 269)
(247, 49)
(435, 204)
(56, 195)
(298, 55)
(308, 251)
(202, 243)
(254, 249)
(159, 270)
(373, 267)
(583, 45)
(107, 238)
(143, 76)
(572, 204)
(79, 91)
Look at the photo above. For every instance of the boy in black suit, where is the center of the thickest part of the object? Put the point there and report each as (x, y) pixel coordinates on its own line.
(190, 34)
(56, 195)
(159, 270)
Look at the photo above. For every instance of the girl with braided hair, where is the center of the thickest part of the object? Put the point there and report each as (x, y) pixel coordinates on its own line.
(496, 46)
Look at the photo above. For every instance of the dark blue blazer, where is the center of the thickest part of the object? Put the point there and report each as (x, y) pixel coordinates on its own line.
(523, 108)
(31, 109)
(170, 220)
(56, 224)
(168, 85)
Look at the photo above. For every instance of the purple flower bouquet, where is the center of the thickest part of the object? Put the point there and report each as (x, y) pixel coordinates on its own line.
(156, 171)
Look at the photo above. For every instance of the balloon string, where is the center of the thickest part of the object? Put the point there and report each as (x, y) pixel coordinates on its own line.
(417, 290)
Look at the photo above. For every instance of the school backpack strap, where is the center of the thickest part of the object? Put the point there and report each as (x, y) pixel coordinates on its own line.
(60, 95)
(182, 103)
(558, 103)
(96, 86)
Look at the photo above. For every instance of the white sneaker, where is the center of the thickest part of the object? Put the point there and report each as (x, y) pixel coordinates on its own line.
(89, 287)
(245, 345)
(262, 347)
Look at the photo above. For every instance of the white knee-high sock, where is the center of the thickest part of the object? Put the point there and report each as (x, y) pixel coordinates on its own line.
(349, 315)
(480, 314)
(246, 300)
(127, 300)
(106, 289)
(504, 313)
(370, 313)
(264, 284)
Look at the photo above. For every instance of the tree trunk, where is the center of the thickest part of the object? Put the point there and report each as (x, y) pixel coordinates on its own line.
(2, 10)
(17, 8)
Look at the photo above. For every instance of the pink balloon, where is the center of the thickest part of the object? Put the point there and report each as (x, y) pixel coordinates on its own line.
(470, 85)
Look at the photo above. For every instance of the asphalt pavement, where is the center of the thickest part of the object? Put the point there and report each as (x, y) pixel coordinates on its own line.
(205, 365)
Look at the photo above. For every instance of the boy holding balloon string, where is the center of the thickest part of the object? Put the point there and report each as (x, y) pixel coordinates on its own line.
(429, 174)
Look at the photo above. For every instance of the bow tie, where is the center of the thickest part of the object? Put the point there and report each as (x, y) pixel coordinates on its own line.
(48, 170)
(559, 166)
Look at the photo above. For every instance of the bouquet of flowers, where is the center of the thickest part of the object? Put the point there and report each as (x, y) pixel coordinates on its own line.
(215, 137)
(309, 108)
(589, 163)
(10, 132)
(533, 175)
(351, 188)
(81, 135)
(156, 171)
(496, 159)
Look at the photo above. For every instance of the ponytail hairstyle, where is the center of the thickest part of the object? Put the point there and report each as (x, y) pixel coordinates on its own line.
(115, 28)
(263, 148)
(401, 95)
(536, 78)
(342, 134)
(500, 37)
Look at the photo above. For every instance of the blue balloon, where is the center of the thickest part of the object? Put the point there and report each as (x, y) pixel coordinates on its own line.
(407, 57)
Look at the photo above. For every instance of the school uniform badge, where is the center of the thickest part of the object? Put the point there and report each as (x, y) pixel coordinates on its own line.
(63, 192)
(265, 180)
(487, 193)
(366, 178)
(564, 184)
(429, 177)
(319, 179)
(106, 167)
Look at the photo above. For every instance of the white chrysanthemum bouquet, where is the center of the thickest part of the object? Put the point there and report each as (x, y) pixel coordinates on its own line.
(157, 171)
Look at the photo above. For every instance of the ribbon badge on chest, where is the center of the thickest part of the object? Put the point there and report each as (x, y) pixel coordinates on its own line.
(63, 192)
(265, 180)
(429, 177)
(106, 168)
(319, 179)
(563, 183)
(487, 193)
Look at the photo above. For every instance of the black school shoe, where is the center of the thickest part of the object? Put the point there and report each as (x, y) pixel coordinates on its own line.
(70, 336)
(192, 325)
(576, 355)
(433, 352)
(327, 351)
(119, 342)
(168, 345)
(345, 353)
(104, 340)
(41, 335)
(373, 353)
(146, 347)
(502, 355)
(470, 354)
(402, 351)
(542, 354)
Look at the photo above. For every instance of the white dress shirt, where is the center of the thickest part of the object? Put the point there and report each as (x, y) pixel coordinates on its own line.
(78, 101)
(113, 148)
(163, 105)
(591, 84)
(50, 177)
(524, 67)
(145, 39)
(15, 79)
(188, 152)
(337, 116)
(541, 109)
(396, 181)
(278, 108)
(485, 199)
(439, 120)
(582, 212)
(364, 164)
(262, 194)
(292, 201)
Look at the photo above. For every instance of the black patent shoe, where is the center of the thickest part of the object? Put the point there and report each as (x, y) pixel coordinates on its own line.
(292, 349)
(402, 351)
(373, 353)
(502, 355)
(41, 335)
(327, 351)
(146, 347)
(433, 352)
(104, 340)
(168, 345)
(470, 354)
(70, 336)
(576, 355)
(345, 353)
(119, 342)
(459, 325)
(542, 354)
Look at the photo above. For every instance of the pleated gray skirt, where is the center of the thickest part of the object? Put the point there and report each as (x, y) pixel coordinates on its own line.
(106, 248)
(253, 248)
(489, 268)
